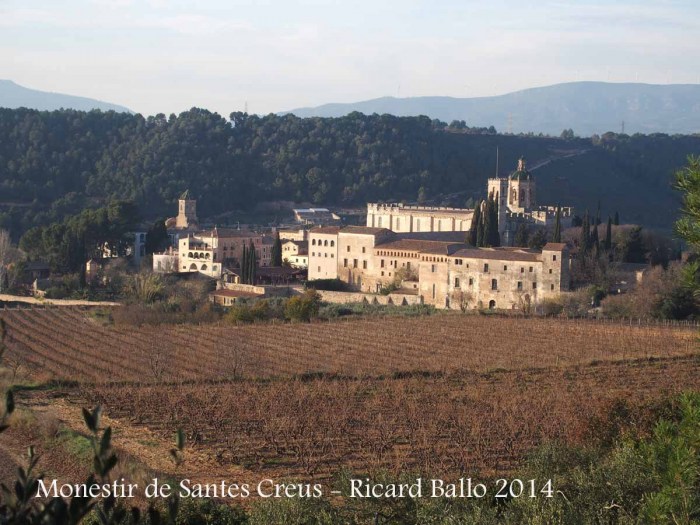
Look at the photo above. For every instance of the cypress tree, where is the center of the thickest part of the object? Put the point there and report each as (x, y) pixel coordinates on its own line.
(557, 226)
(495, 236)
(480, 227)
(585, 243)
(276, 251)
(521, 236)
(476, 219)
(253, 263)
(594, 238)
(616, 221)
(244, 265)
(608, 235)
(488, 217)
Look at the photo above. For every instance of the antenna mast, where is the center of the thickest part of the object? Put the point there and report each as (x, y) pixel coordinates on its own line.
(496, 161)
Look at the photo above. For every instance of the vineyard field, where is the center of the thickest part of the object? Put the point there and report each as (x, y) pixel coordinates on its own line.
(66, 343)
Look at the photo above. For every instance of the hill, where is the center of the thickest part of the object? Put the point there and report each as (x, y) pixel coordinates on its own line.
(15, 96)
(53, 164)
(585, 107)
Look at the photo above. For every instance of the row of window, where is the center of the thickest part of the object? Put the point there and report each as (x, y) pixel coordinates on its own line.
(494, 284)
(355, 264)
(325, 242)
(320, 254)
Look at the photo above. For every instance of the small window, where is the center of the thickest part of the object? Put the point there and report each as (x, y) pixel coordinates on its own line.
(505, 268)
(313, 242)
(494, 284)
(471, 282)
(348, 248)
(364, 265)
(381, 263)
(364, 250)
(325, 243)
(354, 263)
(551, 287)
(319, 269)
(456, 282)
(520, 285)
(433, 268)
(534, 285)
(332, 243)
(345, 263)
(332, 256)
(531, 269)
(382, 274)
(550, 270)
(554, 257)
(486, 268)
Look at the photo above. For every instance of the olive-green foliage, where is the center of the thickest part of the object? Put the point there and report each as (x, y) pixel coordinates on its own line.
(69, 243)
(61, 161)
(303, 307)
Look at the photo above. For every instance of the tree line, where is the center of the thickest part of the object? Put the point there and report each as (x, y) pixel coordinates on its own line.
(53, 164)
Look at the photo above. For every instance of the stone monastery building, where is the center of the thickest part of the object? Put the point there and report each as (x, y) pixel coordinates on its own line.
(515, 196)
(423, 250)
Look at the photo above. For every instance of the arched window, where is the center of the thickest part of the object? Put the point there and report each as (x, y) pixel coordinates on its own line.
(204, 268)
(492, 304)
(325, 243)
(193, 266)
(332, 243)
(313, 242)
(189, 255)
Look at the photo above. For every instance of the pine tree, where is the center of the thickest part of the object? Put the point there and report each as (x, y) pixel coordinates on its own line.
(616, 221)
(557, 226)
(277, 251)
(608, 235)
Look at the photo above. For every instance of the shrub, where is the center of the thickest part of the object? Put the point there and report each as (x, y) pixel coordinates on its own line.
(303, 307)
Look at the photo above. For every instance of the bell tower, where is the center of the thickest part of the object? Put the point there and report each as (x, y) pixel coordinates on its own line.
(187, 212)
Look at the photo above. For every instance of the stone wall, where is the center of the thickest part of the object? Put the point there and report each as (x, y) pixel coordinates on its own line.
(357, 297)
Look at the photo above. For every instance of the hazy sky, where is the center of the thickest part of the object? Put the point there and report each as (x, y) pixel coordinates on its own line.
(167, 56)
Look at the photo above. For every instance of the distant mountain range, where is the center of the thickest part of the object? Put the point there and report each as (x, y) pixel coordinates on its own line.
(585, 107)
(15, 96)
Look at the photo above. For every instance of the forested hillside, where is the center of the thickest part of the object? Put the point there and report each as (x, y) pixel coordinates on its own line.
(56, 163)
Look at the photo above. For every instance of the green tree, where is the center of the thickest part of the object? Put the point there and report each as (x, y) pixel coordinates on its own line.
(557, 226)
(608, 236)
(521, 236)
(277, 251)
(157, 238)
(473, 237)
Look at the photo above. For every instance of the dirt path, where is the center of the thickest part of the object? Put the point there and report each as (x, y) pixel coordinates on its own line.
(53, 302)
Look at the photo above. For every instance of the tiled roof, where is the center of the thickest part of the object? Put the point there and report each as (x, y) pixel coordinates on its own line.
(326, 229)
(226, 233)
(555, 246)
(498, 254)
(364, 230)
(234, 293)
(420, 245)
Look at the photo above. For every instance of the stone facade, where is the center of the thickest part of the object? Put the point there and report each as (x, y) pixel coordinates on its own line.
(444, 271)
(517, 204)
(403, 218)
(323, 252)
(494, 278)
